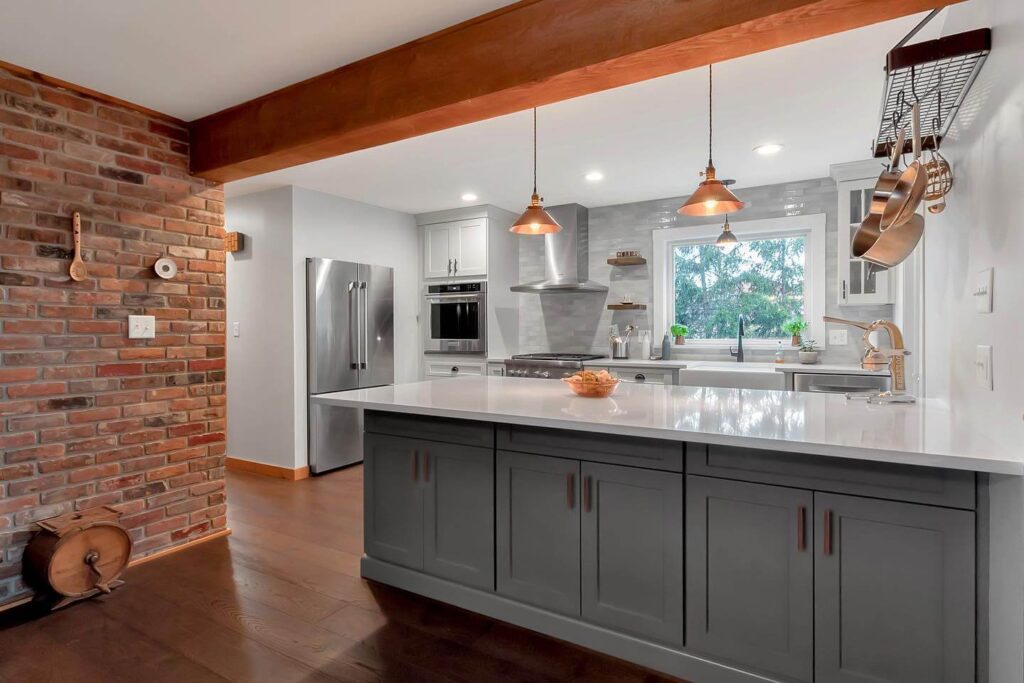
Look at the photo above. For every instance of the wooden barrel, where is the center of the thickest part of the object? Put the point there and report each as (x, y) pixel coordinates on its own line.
(79, 555)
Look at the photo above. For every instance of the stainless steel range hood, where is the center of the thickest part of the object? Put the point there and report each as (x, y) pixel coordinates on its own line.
(566, 254)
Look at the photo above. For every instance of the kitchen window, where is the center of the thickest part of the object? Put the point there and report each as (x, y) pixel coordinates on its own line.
(775, 274)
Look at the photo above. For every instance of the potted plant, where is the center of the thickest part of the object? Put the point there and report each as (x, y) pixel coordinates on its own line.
(808, 352)
(679, 332)
(795, 328)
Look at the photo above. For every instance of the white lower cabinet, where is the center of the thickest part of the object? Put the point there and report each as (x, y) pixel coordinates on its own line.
(496, 369)
(640, 374)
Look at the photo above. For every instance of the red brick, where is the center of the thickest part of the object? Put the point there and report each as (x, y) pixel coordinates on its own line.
(26, 470)
(65, 99)
(120, 369)
(17, 374)
(94, 472)
(25, 502)
(94, 415)
(35, 390)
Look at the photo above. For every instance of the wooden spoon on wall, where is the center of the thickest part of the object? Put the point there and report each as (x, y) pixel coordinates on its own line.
(78, 271)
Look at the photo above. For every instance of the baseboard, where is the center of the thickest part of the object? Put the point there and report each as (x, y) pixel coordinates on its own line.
(685, 665)
(220, 533)
(265, 470)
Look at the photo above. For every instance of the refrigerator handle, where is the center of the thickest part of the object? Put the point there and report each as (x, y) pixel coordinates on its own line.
(365, 325)
(353, 338)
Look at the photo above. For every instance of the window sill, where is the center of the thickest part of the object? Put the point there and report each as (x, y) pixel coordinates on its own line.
(761, 344)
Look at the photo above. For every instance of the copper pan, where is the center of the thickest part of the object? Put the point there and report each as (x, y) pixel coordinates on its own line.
(895, 244)
(871, 227)
(909, 190)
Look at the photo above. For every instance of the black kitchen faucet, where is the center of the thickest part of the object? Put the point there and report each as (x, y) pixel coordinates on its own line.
(738, 353)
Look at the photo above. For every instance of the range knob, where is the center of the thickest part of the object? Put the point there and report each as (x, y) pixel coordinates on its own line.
(545, 374)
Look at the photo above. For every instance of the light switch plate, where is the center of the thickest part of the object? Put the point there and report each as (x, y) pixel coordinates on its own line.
(983, 366)
(838, 338)
(234, 329)
(982, 292)
(141, 326)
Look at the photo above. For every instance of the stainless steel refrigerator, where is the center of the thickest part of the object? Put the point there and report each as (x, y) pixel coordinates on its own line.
(351, 345)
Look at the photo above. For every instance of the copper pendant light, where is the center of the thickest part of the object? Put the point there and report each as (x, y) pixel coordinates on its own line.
(535, 220)
(712, 197)
(727, 241)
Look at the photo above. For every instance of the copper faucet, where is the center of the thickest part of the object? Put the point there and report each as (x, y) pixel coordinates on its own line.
(876, 359)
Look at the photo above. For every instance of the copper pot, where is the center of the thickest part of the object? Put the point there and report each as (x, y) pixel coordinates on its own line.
(895, 244)
(909, 190)
(871, 227)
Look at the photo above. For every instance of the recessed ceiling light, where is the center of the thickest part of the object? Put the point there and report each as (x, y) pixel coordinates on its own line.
(594, 176)
(469, 197)
(768, 149)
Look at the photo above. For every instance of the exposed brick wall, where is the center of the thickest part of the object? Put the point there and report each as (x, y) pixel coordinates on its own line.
(90, 417)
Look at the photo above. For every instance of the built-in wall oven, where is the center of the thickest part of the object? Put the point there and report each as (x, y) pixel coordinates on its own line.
(456, 318)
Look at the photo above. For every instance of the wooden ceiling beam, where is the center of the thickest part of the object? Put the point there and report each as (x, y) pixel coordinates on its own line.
(528, 54)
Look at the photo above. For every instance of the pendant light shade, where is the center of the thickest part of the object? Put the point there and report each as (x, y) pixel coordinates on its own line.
(535, 220)
(712, 197)
(727, 241)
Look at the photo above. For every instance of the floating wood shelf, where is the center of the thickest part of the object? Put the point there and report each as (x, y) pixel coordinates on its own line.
(627, 261)
(627, 307)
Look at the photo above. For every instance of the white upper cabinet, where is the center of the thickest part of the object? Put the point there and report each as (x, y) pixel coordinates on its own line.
(455, 249)
(860, 283)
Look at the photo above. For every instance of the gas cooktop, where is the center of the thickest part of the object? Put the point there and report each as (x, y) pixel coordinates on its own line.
(547, 365)
(557, 356)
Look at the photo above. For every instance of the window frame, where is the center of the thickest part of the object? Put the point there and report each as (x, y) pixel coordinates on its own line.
(810, 226)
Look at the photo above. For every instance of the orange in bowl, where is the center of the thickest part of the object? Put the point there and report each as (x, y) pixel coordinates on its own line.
(590, 384)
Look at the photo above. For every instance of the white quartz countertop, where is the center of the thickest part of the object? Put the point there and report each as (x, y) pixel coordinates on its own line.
(929, 433)
(727, 366)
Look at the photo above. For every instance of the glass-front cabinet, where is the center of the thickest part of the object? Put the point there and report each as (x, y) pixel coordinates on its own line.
(860, 282)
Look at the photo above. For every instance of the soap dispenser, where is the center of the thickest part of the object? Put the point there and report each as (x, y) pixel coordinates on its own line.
(666, 347)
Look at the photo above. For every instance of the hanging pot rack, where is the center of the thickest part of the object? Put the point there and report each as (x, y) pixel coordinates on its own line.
(935, 73)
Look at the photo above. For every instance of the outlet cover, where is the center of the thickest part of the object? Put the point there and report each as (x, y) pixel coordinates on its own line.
(982, 292)
(141, 326)
(838, 338)
(983, 366)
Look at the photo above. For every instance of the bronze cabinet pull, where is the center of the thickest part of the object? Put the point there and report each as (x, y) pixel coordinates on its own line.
(828, 532)
(570, 490)
(426, 466)
(801, 528)
(586, 493)
(415, 465)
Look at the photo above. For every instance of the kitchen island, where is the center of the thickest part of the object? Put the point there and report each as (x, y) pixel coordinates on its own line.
(718, 535)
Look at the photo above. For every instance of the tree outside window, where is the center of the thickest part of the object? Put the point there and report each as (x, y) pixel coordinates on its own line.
(761, 279)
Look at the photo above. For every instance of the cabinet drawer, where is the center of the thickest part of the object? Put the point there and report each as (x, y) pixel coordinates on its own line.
(952, 488)
(442, 429)
(640, 374)
(610, 448)
(454, 369)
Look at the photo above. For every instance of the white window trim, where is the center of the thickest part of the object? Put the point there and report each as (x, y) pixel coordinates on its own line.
(812, 226)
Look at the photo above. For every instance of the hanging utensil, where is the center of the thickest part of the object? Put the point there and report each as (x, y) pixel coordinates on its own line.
(940, 174)
(78, 270)
(909, 190)
(897, 243)
(871, 227)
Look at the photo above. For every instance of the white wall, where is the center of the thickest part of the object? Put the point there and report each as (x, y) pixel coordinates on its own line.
(982, 228)
(327, 226)
(266, 295)
(259, 298)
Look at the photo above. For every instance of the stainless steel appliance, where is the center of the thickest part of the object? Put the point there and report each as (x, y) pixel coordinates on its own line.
(840, 384)
(457, 318)
(350, 345)
(566, 254)
(547, 365)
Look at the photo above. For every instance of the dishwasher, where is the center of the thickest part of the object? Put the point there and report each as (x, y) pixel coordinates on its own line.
(840, 384)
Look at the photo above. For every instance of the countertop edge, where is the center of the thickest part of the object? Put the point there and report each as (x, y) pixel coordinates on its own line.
(953, 462)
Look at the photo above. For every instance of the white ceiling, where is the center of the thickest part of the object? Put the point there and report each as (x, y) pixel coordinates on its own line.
(820, 99)
(189, 58)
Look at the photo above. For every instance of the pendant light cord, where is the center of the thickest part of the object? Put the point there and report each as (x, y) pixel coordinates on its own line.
(711, 117)
(535, 150)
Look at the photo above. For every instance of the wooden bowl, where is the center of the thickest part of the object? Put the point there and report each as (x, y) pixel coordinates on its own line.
(591, 389)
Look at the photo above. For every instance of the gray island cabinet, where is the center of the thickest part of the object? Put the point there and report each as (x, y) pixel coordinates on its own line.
(711, 563)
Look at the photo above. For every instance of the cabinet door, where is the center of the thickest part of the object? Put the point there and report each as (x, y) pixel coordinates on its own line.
(538, 531)
(467, 245)
(860, 283)
(447, 367)
(632, 545)
(749, 582)
(437, 262)
(894, 592)
(393, 523)
(458, 533)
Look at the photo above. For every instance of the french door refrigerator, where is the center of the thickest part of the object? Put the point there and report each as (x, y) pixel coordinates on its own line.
(350, 337)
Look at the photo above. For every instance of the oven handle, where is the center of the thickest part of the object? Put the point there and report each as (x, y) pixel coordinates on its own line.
(450, 299)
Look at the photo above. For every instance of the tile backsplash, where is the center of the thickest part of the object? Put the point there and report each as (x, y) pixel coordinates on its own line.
(579, 322)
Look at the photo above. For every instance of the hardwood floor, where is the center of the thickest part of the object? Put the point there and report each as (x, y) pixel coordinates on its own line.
(281, 600)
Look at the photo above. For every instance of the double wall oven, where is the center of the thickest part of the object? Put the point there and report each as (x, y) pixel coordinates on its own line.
(456, 318)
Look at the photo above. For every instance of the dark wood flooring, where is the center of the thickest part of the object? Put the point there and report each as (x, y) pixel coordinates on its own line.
(281, 600)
